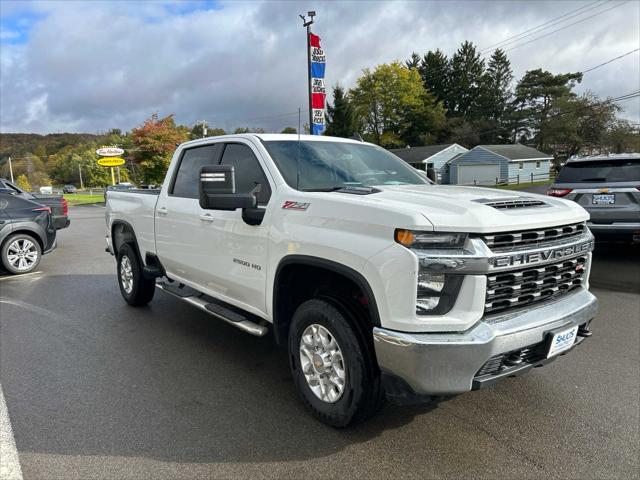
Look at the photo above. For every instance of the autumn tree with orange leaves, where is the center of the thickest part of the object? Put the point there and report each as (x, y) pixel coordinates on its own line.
(153, 145)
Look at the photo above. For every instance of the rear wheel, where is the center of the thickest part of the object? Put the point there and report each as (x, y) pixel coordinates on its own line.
(335, 377)
(134, 287)
(21, 253)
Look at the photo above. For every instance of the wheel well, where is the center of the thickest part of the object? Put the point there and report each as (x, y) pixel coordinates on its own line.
(30, 233)
(122, 233)
(297, 282)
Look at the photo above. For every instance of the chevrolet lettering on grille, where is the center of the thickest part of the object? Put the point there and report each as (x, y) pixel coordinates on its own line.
(528, 258)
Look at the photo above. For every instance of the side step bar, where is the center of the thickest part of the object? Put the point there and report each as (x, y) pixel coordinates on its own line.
(232, 317)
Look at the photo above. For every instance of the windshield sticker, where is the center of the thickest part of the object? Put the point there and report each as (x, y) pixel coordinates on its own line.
(291, 205)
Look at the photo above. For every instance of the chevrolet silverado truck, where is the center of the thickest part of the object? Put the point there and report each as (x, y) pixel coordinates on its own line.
(379, 284)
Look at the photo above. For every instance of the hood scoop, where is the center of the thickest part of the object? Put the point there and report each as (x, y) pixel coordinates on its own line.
(510, 203)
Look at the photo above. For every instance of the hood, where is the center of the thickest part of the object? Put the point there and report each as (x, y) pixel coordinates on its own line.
(469, 209)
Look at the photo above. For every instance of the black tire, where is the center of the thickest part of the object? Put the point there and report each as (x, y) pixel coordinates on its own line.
(34, 248)
(362, 396)
(141, 290)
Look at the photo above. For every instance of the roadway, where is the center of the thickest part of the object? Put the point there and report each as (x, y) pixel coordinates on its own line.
(96, 389)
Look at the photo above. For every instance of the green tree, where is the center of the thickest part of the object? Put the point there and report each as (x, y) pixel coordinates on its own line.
(386, 99)
(465, 82)
(342, 118)
(289, 130)
(495, 98)
(621, 137)
(154, 143)
(435, 71)
(23, 182)
(535, 96)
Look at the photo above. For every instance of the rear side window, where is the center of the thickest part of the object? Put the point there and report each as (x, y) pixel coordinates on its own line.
(188, 175)
(247, 170)
(17, 203)
(601, 171)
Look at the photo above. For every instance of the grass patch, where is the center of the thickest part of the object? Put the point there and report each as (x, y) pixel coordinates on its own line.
(84, 198)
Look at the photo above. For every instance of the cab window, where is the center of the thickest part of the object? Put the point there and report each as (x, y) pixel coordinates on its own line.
(187, 177)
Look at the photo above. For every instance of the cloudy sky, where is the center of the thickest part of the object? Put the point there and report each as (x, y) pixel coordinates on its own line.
(77, 66)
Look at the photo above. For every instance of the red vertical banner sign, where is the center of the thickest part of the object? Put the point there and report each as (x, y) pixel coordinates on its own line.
(318, 92)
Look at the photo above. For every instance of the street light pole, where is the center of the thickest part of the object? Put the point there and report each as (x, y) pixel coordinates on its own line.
(307, 24)
(10, 170)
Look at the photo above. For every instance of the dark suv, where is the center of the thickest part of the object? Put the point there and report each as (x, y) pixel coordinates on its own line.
(608, 187)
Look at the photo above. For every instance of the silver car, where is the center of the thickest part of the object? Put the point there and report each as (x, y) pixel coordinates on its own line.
(608, 187)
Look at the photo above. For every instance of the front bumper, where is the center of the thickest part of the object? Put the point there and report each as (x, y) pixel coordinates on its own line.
(448, 363)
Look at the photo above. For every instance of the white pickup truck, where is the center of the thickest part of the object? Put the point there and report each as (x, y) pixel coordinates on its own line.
(379, 283)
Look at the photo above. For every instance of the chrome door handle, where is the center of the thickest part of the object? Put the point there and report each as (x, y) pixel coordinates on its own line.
(162, 211)
(207, 217)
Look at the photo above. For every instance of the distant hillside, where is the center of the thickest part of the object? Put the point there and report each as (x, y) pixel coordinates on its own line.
(17, 144)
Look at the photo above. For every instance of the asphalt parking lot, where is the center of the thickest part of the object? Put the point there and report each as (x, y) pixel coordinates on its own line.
(96, 389)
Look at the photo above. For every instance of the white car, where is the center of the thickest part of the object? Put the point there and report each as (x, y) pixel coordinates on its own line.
(379, 283)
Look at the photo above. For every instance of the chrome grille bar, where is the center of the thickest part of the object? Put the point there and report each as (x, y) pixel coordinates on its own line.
(498, 242)
(514, 289)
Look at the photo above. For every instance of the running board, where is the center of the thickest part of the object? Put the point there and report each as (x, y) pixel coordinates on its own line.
(232, 317)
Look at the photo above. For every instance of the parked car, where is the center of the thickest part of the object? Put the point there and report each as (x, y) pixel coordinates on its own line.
(377, 281)
(118, 187)
(69, 189)
(608, 187)
(46, 190)
(57, 203)
(26, 232)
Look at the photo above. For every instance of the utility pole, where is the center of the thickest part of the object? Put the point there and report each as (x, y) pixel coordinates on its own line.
(80, 173)
(204, 127)
(10, 170)
(307, 24)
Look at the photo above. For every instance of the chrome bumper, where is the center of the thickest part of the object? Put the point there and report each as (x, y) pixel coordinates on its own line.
(446, 363)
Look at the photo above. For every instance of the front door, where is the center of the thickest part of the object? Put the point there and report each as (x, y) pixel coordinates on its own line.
(235, 253)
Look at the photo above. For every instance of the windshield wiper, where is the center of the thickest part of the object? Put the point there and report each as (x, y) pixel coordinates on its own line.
(326, 189)
(595, 179)
(355, 189)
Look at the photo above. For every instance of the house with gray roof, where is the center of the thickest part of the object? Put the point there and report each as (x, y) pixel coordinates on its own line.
(431, 156)
(488, 164)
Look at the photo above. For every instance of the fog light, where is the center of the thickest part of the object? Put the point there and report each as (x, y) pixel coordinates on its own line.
(430, 281)
(426, 304)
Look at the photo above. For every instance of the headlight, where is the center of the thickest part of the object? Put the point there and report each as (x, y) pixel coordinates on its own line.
(429, 240)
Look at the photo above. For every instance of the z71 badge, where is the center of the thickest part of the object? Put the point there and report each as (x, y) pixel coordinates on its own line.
(291, 205)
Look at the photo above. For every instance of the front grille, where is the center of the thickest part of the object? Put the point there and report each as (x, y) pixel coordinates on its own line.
(517, 288)
(499, 242)
(507, 204)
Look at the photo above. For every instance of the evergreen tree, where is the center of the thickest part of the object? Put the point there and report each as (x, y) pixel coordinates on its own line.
(535, 96)
(435, 73)
(495, 97)
(465, 85)
(342, 118)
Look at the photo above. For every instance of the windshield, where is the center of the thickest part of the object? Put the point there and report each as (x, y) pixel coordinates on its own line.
(331, 165)
(623, 170)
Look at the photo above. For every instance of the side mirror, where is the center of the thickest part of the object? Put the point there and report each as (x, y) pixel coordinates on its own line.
(218, 189)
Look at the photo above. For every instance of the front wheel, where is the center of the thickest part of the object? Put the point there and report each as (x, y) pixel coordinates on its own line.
(335, 378)
(134, 287)
(20, 253)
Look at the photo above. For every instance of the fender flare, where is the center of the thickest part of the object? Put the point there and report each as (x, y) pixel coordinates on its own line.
(331, 266)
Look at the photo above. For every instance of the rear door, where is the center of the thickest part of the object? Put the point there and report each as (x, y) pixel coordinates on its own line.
(607, 189)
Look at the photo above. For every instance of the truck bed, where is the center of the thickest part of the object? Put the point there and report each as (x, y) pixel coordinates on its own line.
(137, 208)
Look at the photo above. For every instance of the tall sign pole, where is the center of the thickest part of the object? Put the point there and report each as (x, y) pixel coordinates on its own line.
(307, 24)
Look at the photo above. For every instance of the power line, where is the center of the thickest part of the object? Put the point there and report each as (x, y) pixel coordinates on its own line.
(547, 24)
(612, 60)
(566, 26)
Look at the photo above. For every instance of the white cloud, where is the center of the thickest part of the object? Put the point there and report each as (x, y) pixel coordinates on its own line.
(111, 64)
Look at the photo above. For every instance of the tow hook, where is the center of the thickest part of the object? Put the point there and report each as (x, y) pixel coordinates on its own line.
(583, 331)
